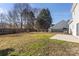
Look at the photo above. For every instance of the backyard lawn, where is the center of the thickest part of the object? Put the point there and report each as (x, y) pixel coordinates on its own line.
(35, 44)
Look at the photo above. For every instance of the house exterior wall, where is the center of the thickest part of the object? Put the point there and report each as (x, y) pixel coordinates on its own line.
(72, 29)
(75, 19)
(60, 27)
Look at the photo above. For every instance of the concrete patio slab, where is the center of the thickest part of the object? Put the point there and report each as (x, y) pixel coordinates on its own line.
(65, 37)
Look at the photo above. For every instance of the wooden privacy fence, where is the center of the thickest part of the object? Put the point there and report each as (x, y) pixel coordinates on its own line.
(10, 31)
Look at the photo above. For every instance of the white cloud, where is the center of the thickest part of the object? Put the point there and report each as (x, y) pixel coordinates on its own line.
(4, 11)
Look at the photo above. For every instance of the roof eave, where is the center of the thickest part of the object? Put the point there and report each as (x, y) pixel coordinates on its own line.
(73, 7)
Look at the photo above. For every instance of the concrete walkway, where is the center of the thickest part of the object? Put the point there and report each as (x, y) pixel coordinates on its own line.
(65, 37)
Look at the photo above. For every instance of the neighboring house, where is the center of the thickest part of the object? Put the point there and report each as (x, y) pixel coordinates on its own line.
(4, 25)
(60, 26)
(74, 22)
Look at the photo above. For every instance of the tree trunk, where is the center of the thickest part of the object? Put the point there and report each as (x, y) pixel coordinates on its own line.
(21, 22)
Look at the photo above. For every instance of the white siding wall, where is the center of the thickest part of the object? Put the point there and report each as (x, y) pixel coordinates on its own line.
(72, 28)
(75, 17)
(75, 14)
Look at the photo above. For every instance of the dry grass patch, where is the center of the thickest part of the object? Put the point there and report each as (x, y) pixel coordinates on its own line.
(25, 43)
(36, 44)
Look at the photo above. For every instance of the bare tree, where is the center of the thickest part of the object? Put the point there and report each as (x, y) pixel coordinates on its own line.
(19, 9)
(2, 19)
(11, 18)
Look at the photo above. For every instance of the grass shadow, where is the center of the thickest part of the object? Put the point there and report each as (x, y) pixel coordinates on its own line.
(5, 52)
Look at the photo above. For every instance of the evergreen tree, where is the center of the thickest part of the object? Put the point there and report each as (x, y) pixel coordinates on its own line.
(44, 20)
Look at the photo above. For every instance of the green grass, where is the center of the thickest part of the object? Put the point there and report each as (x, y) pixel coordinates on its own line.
(57, 41)
(35, 44)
